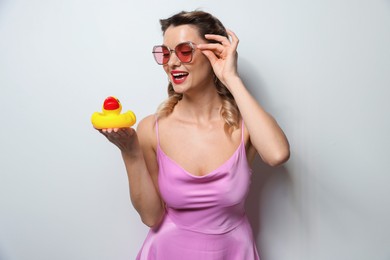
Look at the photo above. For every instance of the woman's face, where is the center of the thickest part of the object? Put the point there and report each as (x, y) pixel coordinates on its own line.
(187, 76)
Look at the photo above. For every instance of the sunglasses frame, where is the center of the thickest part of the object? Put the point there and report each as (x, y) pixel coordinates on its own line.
(191, 44)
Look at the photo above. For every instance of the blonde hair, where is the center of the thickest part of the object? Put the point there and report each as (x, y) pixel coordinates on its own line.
(206, 24)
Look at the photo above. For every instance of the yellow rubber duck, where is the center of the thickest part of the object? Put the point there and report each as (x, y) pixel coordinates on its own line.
(111, 116)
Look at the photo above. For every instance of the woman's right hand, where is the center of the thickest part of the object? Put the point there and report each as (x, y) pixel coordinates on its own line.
(139, 156)
(124, 138)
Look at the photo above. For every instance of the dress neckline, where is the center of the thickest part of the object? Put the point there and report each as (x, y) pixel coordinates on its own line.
(209, 174)
(161, 152)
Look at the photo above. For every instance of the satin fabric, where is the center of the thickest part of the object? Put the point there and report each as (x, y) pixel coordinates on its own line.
(205, 217)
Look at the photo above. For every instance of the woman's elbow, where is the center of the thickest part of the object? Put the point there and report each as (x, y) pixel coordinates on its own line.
(279, 158)
(150, 223)
(152, 220)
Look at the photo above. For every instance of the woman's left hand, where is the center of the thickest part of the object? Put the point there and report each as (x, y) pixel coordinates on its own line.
(222, 55)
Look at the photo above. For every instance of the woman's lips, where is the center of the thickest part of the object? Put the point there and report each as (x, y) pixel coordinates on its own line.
(179, 77)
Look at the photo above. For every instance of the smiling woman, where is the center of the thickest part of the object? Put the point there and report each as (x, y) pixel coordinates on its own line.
(189, 164)
(325, 80)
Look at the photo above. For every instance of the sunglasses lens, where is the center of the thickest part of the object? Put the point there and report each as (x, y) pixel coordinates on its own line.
(161, 54)
(184, 52)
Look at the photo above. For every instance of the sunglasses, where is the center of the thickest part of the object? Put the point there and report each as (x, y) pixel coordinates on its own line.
(184, 52)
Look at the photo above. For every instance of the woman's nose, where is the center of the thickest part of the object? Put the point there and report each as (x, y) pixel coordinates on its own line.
(173, 60)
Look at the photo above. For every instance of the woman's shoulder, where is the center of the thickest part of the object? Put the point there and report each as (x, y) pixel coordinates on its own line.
(146, 127)
(147, 122)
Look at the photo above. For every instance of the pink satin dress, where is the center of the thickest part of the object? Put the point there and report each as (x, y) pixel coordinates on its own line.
(205, 217)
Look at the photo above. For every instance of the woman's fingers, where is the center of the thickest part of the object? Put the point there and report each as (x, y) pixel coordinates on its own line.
(224, 44)
(125, 132)
(124, 138)
(114, 133)
(234, 38)
(219, 38)
(210, 55)
(214, 47)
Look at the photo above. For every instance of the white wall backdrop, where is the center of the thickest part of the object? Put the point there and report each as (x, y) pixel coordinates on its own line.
(322, 68)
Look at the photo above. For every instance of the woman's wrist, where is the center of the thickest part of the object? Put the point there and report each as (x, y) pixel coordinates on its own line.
(233, 83)
(132, 154)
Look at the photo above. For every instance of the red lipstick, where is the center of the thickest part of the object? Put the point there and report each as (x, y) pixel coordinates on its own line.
(178, 76)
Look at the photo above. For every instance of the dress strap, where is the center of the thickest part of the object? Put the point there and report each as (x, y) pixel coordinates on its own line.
(242, 130)
(156, 129)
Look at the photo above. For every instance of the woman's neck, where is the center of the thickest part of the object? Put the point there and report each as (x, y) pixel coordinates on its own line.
(202, 106)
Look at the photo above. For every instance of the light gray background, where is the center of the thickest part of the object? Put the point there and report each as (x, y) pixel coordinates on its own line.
(320, 67)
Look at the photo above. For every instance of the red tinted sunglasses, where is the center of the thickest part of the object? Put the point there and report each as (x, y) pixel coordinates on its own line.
(184, 52)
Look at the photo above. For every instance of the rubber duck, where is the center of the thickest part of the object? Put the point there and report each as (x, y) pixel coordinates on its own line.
(111, 116)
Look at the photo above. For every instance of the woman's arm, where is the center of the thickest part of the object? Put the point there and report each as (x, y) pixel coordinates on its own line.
(141, 166)
(265, 134)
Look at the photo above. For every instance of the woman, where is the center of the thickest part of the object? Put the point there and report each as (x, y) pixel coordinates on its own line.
(188, 165)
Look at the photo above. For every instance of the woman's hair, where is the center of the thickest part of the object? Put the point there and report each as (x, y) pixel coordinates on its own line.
(206, 24)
